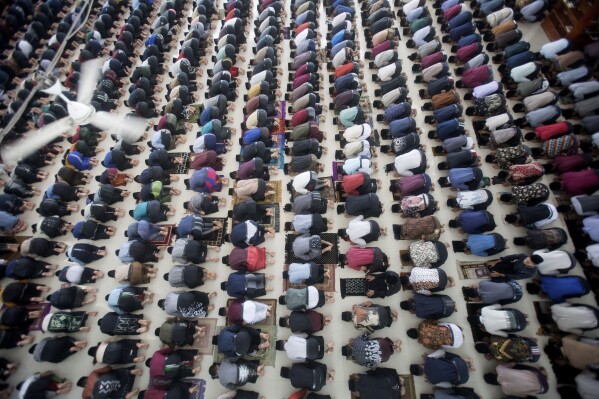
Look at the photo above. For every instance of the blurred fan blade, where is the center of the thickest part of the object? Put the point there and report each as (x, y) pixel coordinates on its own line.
(130, 129)
(88, 81)
(35, 140)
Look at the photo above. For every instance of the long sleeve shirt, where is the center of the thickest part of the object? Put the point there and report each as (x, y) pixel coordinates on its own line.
(357, 229)
(495, 320)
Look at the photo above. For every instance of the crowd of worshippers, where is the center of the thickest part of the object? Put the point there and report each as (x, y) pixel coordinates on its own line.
(567, 145)
(527, 75)
(139, 60)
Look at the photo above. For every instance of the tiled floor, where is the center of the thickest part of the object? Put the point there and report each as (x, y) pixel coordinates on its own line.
(271, 385)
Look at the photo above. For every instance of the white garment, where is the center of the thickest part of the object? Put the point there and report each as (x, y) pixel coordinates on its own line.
(405, 162)
(486, 89)
(357, 133)
(254, 312)
(551, 218)
(552, 261)
(357, 165)
(550, 50)
(298, 272)
(385, 73)
(579, 90)
(295, 347)
(300, 182)
(410, 6)
(419, 36)
(301, 37)
(587, 384)
(458, 335)
(495, 320)
(573, 319)
(357, 229)
(257, 78)
(313, 297)
(339, 59)
(74, 273)
(340, 18)
(593, 254)
(494, 122)
(198, 145)
(252, 229)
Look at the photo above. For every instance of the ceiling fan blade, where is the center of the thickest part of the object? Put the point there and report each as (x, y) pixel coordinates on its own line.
(90, 73)
(130, 129)
(35, 140)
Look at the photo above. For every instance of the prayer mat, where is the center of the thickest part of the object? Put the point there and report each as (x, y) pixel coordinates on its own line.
(36, 324)
(327, 193)
(408, 286)
(270, 320)
(340, 196)
(204, 344)
(217, 237)
(200, 391)
(353, 287)
(192, 112)
(164, 240)
(471, 270)
(328, 285)
(279, 142)
(403, 252)
(182, 168)
(266, 356)
(543, 312)
(328, 258)
(273, 222)
(275, 198)
(408, 385)
(336, 175)
(473, 310)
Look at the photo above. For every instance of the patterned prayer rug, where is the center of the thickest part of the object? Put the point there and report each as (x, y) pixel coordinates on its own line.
(217, 237)
(270, 320)
(266, 356)
(270, 221)
(164, 240)
(200, 391)
(471, 270)
(182, 168)
(336, 175)
(403, 252)
(328, 285)
(327, 193)
(204, 344)
(408, 384)
(192, 113)
(36, 324)
(353, 287)
(329, 257)
(275, 198)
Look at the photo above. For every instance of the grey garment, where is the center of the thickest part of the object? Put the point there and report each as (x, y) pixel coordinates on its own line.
(297, 298)
(428, 48)
(302, 223)
(228, 374)
(540, 116)
(493, 292)
(476, 61)
(580, 90)
(179, 250)
(530, 12)
(566, 78)
(175, 276)
(591, 123)
(587, 384)
(170, 303)
(302, 203)
(587, 107)
(420, 34)
(519, 74)
(255, 282)
(454, 144)
(537, 101)
(307, 247)
(537, 86)
(585, 204)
